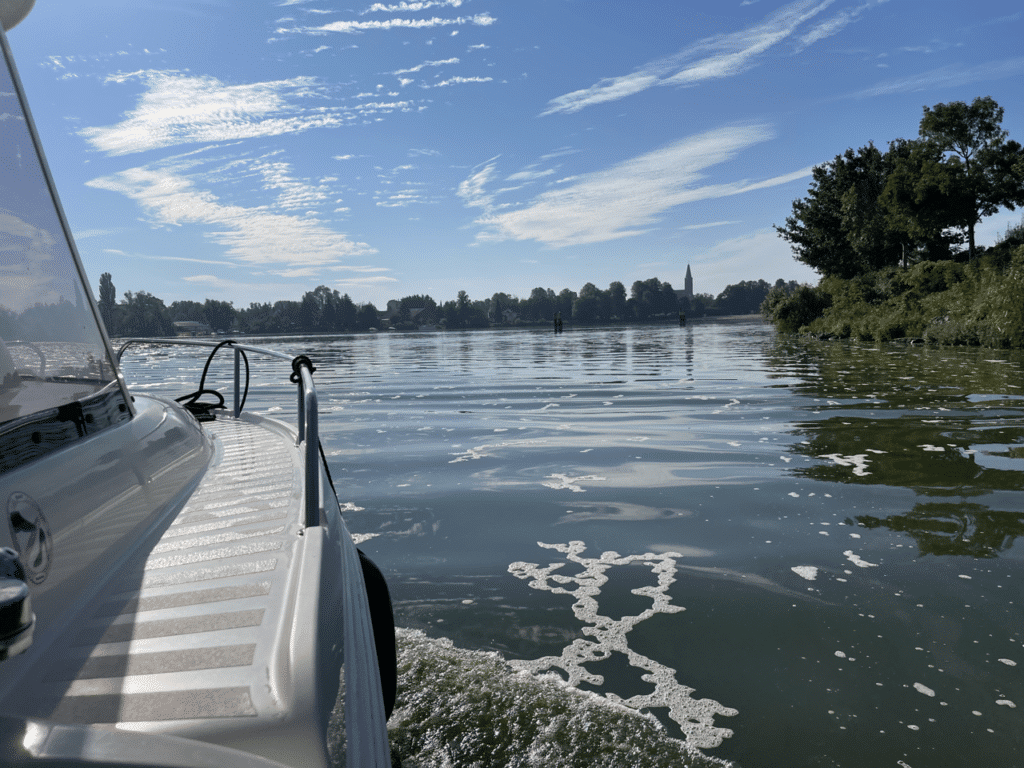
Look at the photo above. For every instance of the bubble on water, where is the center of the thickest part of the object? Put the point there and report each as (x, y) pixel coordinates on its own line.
(1006, 703)
(858, 561)
(808, 572)
(859, 462)
(924, 689)
(840, 654)
(566, 483)
(1009, 662)
(606, 636)
(470, 454)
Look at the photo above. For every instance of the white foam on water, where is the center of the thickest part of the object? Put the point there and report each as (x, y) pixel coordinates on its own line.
(924, 689)
(1006, 703)
(859, 462)
(858, 561)
(457, 707)
(808, 572)
(605, 636)
(1009, 662)
(566, 483)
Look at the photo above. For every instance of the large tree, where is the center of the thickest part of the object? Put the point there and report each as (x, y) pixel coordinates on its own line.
(979, 168)
(839, 228)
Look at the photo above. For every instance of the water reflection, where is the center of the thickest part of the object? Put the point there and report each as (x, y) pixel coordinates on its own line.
(954, 528)
(945, 424)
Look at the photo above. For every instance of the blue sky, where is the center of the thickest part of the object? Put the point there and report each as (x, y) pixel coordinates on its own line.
(251, 151)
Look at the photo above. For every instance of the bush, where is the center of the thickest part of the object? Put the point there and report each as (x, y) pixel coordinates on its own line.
(792, 311)
(944, 302)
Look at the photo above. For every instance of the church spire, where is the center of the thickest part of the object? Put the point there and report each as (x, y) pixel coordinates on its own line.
(688, 282)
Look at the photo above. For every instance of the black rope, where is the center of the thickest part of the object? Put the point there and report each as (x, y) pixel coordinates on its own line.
(205, 411)
(297, 363)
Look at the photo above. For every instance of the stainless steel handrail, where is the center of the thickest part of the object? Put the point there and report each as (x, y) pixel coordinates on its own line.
(307, 416)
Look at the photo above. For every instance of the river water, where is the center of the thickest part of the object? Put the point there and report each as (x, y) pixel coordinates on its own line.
(789, 552)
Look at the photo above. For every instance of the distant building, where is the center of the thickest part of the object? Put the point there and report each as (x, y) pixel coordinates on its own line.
(687, 291)
(191, 328)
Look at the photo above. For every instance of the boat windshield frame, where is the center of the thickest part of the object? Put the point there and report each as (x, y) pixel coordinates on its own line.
(70, 249)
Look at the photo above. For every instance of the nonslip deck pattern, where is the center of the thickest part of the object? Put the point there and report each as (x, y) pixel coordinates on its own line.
(182, 634)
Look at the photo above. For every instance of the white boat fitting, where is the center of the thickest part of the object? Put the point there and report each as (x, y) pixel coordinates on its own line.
(177, 584)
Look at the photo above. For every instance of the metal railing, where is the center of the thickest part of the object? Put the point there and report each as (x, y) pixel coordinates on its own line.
(307, 418)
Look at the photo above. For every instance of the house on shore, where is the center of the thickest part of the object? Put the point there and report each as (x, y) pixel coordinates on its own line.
(191, 328)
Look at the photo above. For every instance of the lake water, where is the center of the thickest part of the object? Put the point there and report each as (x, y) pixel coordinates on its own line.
(790, 552)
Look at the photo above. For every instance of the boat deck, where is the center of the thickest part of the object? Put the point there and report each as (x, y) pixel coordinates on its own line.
(196, 635)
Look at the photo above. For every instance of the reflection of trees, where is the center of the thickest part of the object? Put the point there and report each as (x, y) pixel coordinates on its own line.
(895, 456)
(954, 528)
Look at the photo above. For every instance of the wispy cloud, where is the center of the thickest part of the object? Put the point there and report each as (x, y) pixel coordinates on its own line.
(181, 109)
(459, 81)
(419, 67)
(836, 24)
(949, 76)
(710, 224)
(249, 235)
(412, 7)
(625, 200)
(712, 58)
(356, 27)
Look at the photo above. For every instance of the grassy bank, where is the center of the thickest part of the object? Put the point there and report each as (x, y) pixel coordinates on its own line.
(979, 303)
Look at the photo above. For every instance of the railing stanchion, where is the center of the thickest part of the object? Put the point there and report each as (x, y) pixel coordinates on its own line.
(312, 449)
(238, 382)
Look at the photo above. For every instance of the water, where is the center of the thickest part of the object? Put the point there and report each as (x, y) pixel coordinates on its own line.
(788, 552)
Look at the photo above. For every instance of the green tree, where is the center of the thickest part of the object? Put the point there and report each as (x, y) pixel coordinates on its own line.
(617, 300)
(743, 298)
(145, 315)
(220, 315)
(108, 303)
(540, 305)
(840, 228)
(979, 167)
(586, 308)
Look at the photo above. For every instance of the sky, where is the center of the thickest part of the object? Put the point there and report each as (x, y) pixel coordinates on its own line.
(252, 151)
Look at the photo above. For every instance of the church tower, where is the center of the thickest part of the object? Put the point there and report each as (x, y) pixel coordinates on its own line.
(688, 283)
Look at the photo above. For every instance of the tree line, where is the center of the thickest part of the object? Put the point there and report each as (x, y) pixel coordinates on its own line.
(324, 310)
(893, 236)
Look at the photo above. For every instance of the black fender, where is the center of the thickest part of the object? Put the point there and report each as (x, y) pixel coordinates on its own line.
(382, 617)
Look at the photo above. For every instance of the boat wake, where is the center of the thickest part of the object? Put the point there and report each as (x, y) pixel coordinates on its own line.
(461, 708)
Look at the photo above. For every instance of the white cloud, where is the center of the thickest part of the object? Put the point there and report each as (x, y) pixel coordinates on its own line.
(710, 224)
(407, 7)
(460, 80)
(708, 59)
(418, 67)
(250, 235)
(624, 200)
(950, 76)
(355, 27)
(181, 109)
(473, 189)
(836, 24)
(529, 175)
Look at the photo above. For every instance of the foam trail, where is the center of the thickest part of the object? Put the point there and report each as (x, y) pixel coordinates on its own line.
(694, 716)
